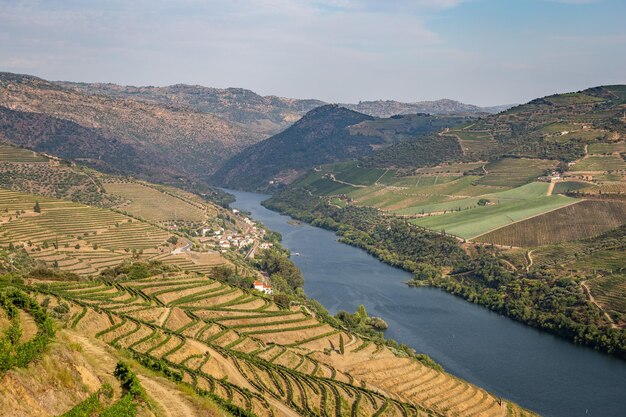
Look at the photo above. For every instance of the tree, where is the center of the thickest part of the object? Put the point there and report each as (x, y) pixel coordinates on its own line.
(341, 346)
(361, 312)
(37, 207)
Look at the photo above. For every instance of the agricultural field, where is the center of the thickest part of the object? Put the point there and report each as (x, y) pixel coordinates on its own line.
(476, 142)
(599, 164)
(82, 239)
(30, 172)
(606, 148)
(246, 350)
(577, 221)
(10, 153)
(451, 168)
(468, 224)
(513, 172)
(157, 206)
(573, 186)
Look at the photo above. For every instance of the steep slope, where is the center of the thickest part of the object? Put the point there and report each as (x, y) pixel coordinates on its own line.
(266, 115)
(170, 140)
(321, 136)
(555, 127)
(327, 134)
(260, 116)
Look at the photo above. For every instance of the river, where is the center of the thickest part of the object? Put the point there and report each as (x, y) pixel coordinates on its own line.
(537, 370)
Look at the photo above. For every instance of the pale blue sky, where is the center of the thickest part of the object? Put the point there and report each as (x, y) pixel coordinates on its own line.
(477, 51)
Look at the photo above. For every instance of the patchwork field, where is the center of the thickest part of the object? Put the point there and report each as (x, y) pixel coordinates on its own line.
(471, 223)
(274, 362)
(577, 221)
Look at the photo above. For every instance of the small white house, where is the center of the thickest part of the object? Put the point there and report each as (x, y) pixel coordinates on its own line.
(261, 286)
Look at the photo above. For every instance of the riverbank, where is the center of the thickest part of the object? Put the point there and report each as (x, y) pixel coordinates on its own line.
(532, 368)
(480, 277)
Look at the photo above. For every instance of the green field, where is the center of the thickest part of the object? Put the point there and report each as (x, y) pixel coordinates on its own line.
(600, 163)
(577, 221)
(513, 172)
(569, 186)
(606, 148)
(15, 154)
(360, 176)
(470, 223)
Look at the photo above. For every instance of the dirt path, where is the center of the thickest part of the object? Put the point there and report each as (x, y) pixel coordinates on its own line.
(530, 260)
(332, 177)
(385, 173)
(593, 301)
(550, 188)
(171, 403)
(29, 327)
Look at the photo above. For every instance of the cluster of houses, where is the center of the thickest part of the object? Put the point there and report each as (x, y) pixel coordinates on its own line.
(226, 239)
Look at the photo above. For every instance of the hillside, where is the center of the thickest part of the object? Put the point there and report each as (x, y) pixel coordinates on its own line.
(545, 179)
(163, 141)
(138, 311)
(388, 108)
(266, 115)
(260, 116)
(327, 134)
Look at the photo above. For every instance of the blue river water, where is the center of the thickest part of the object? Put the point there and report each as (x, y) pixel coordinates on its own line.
(539, 371)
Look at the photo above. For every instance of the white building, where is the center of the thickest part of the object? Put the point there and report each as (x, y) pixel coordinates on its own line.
(261, 286)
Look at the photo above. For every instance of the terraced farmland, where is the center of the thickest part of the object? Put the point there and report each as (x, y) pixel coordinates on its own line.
(155, 205)
(243, 348)
(577, 221)
(14, 154)
(75, 237)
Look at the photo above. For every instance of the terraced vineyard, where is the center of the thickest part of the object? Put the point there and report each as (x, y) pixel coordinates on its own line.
(156, 205)
(246, 350)
(14, 154)
(25, 329)
(27, 171)
(82, 239)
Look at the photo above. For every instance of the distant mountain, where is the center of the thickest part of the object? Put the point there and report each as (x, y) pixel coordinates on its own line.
(258, 115)
(388, 108)
(326, 134)
(556, 127)
(165, 142)
(266, 115)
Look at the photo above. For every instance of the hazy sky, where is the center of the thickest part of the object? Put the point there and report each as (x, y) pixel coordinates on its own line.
(478, 51)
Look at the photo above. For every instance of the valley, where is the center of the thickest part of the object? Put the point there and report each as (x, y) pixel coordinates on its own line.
(150, 267)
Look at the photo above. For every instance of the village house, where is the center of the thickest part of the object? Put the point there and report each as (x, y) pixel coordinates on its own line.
(263, 287)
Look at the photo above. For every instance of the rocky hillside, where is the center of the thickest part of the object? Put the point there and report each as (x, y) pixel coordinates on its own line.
(164, 142)
(259, 116)
(388, 108)
(266, 115)
(327, 134)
